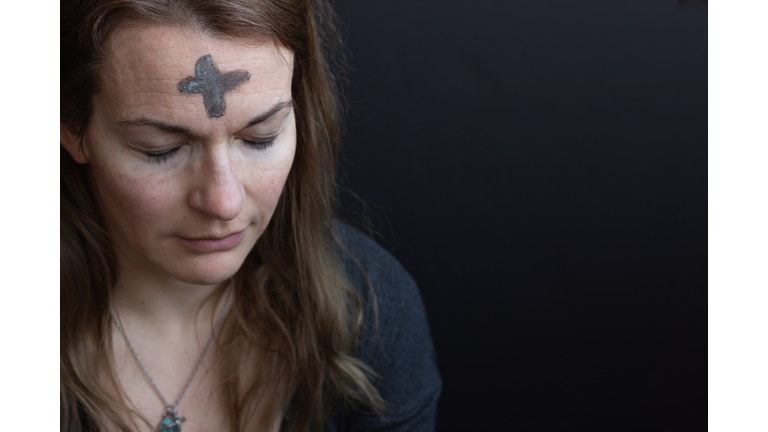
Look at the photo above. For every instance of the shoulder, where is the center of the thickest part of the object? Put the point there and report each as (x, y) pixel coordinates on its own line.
(395, 340)
(365, 261)
(389, 292)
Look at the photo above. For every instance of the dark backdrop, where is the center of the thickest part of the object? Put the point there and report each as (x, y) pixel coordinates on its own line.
(540, 168)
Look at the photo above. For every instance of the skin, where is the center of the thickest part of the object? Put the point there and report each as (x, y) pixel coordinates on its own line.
(215, 184)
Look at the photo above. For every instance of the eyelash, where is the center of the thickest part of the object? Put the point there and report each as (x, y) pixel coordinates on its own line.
(166, 156)
(162, 157)
(260, 145)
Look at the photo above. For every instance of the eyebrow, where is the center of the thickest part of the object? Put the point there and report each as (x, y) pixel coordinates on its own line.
(144, 121)
(167, 127)
(272, 111)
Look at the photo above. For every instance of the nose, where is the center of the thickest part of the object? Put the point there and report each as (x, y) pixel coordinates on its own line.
(218, 190)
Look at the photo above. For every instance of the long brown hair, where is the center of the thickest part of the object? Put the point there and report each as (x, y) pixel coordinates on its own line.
(292, 303)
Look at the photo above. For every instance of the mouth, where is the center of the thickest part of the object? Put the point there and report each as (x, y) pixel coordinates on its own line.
(213, 244)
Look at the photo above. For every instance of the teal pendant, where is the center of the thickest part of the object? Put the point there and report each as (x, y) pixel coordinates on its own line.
(171, 422)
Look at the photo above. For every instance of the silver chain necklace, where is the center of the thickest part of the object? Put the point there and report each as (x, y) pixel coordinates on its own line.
(171, 421)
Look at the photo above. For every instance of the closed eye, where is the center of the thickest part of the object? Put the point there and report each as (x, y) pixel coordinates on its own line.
(164, 156)
(261, 144)
(167, 155)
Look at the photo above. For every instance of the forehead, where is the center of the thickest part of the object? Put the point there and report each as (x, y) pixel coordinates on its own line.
(143, 66)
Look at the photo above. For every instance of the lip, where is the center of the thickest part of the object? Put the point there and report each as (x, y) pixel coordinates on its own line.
(213, 244)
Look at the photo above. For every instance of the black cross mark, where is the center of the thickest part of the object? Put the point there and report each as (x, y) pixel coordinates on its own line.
(212, 84)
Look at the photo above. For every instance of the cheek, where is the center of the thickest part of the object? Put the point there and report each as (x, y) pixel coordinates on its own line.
(132, 199)
(267, 183)
(135, 203)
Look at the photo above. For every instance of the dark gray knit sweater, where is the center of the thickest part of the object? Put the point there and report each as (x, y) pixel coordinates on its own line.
(401, 353)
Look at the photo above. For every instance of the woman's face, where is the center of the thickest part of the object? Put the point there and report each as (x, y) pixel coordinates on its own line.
(189, 153)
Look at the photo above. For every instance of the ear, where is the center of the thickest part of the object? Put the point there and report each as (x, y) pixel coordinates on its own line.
(71, 143)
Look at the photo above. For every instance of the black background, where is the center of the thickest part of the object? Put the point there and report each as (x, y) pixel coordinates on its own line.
(540, 168)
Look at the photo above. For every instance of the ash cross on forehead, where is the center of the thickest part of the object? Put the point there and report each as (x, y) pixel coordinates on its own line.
(212, 84)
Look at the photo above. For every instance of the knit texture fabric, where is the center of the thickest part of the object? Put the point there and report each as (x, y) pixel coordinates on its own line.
(399, 349)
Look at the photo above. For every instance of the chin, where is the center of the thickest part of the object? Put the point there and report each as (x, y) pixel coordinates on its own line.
(205, 279)
(208, 270)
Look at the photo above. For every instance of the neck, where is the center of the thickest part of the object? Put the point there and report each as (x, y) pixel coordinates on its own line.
(164, 305)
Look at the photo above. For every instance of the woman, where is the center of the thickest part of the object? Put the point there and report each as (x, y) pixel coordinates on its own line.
(205, 285)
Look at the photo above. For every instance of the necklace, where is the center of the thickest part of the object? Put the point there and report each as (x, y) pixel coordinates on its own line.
(171, 421)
